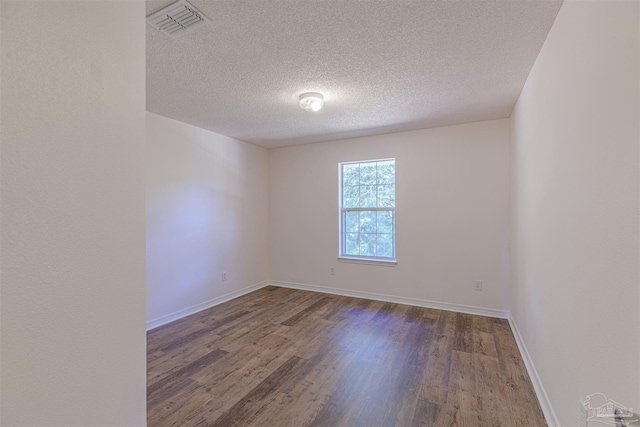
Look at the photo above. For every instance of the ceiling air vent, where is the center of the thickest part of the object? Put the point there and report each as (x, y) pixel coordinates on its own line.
(178, 19)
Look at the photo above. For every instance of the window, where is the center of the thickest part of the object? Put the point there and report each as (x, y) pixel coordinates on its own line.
(368, 210)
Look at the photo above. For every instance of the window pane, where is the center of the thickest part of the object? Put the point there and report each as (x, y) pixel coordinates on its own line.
(386, 172)
(352, 222)
(350, 196)
(385, 245)
(385, 222)
(367, 196)
(351, 244)
(368, 173)
(367, 222)
(367, 244)
(351, 174)
(386, 196)
(368, 204)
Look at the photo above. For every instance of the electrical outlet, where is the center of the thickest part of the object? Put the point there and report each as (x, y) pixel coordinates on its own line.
(224, 276)
(332, 271)
(477, 285)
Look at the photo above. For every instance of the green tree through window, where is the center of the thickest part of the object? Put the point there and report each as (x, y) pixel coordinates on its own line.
(367, 209)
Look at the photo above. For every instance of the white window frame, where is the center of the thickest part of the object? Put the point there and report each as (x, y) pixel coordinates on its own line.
(342, 210)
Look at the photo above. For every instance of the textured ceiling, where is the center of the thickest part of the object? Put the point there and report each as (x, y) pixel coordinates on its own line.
(382, 65)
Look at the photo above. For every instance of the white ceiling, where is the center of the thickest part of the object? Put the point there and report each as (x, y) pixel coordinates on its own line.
(382, 65)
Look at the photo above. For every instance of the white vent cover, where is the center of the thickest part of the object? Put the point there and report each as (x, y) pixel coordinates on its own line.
(178, 19)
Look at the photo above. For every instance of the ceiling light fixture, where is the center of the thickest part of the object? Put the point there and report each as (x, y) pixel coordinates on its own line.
(311, 101)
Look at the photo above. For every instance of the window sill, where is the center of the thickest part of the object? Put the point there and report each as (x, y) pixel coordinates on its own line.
(369, 261)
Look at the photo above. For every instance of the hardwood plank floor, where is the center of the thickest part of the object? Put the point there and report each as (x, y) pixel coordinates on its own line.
(287, 358)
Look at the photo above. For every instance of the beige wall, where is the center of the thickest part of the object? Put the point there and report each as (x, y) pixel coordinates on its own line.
(72, 214)
(206, 213)
(452, 214)
(576, 293)
(73, 227)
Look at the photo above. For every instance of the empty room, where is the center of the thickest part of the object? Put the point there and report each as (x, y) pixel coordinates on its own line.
(298, 213)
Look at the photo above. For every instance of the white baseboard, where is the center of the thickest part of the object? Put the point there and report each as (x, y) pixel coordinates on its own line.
(459, 308)
(152, 324)
(545, 403)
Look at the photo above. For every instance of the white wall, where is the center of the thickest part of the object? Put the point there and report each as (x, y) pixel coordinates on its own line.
(207, 212)
(452, 214)
(576, 290)
(72, 213)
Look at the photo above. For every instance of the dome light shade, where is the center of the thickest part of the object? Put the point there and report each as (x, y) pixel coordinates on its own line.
(311, 101)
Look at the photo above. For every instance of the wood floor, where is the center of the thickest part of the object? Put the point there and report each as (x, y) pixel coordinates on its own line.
(280, 357)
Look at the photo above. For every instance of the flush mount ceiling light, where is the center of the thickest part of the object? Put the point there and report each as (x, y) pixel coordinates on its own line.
(311, 101)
